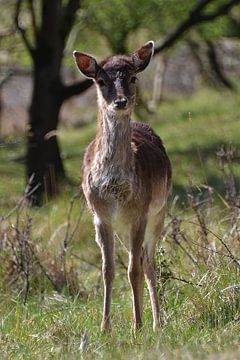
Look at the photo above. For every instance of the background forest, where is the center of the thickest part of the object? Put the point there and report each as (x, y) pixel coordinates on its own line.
(50, 266)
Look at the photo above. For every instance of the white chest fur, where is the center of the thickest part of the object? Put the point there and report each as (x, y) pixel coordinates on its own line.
(111, 184)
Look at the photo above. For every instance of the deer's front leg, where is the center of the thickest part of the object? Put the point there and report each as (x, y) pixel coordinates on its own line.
(105, 239)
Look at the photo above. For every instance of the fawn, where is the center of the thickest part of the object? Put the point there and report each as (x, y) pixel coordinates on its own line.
(126, 178)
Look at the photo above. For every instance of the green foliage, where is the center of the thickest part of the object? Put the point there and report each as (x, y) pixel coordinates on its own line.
(120, 25)
(123, 25)
(12, 49)
(115, 21)
(220, 28)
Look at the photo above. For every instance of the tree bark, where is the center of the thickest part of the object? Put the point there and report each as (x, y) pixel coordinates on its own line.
(44, 164)
(216, 66)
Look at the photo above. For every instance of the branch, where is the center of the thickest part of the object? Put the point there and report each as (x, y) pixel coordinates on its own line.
(216, 66)
(68, 17)
(5, 79)
(22, 30)
(33, 16)
(75, 89)
(195, 17)
(220, 12)
(7, 33)
(10, 31)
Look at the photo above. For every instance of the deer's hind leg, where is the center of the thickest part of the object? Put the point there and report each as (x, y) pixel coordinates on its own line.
(153, 232)
(105, 239)
(136, 274)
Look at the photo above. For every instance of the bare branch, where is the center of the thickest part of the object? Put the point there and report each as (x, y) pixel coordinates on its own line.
(195, 17)
(8, 32)
(234, 259)
(68, 18)
(21, 29)
(5, 79)
(33, 16)
(21, 201)
(69, 236)
(223, 10)
(87, 262)
(75, 89)
(185, 281)
(216, 66)
(44, 271)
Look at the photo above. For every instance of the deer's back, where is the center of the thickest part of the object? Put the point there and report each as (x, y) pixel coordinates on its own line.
(151, 160)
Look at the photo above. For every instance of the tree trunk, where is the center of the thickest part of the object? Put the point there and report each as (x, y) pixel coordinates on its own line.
(46, 45)
(44, 163)
(216, 66)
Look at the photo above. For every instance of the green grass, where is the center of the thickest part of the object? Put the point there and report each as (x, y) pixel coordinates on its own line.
(53, 327)
(193, 130)
(200, 311)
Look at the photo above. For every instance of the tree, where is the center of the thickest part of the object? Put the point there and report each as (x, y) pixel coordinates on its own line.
(115, 21)
(156, 18)
(45, 42)
(196, 16)
(201, 17)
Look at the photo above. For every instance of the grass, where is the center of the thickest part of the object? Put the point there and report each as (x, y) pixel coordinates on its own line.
(197, 259)
(54, 326)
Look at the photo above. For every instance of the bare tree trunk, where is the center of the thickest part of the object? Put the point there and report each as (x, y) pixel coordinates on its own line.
(157, 85)
(44, 163)
(216, 66)
(46, 46)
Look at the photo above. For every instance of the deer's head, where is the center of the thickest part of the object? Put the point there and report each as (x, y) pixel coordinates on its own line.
(116, 77)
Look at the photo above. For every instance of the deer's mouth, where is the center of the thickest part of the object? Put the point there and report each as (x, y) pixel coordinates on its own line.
(120, 103)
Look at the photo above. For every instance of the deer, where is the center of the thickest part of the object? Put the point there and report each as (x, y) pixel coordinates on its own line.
(126, 179)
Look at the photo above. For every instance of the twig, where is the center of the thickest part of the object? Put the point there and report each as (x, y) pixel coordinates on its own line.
(44, 271)
(5, 78)
(175, 236)
(21, 29)
(26, 256)
(20, 202)
(122, 262)
(68, 237)
(184, 280)
(33, 16)
(87, 262)
(222, 242)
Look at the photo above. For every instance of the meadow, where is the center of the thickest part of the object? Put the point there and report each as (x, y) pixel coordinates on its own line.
(50, 276)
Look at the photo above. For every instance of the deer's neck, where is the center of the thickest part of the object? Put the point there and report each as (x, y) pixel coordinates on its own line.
(114, 141)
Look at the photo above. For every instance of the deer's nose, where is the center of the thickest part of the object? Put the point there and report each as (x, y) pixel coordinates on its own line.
(120, 103)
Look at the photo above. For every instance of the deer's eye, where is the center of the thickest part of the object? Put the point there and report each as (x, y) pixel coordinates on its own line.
(133, 80)
(101, 83)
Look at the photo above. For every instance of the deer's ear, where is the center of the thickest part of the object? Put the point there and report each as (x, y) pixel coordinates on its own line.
(86, 64)
(142, 56)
